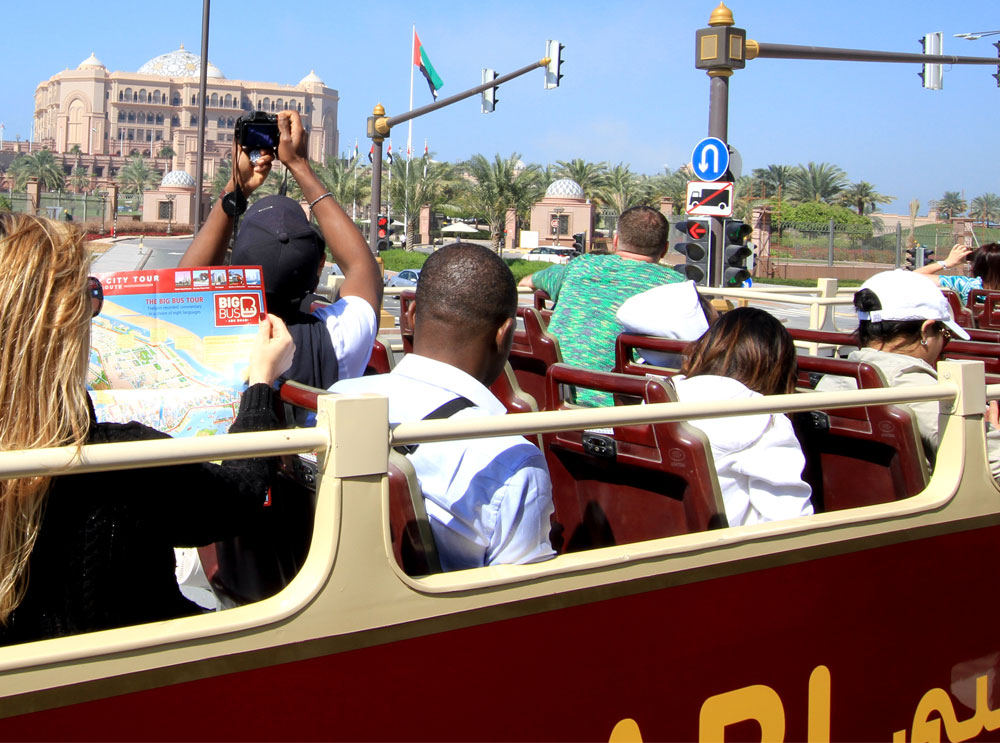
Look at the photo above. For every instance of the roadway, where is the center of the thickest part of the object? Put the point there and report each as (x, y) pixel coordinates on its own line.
(132, 254)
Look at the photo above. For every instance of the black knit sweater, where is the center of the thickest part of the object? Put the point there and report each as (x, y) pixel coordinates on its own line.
(104, 554)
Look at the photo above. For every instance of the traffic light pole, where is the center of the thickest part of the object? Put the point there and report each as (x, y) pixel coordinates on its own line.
(718, 126)
(379, 126)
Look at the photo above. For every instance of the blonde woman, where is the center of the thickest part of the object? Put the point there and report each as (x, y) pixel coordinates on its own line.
(94, 551)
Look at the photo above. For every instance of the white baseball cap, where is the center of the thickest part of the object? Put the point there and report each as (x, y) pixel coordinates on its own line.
(668, 311)
(905, 295)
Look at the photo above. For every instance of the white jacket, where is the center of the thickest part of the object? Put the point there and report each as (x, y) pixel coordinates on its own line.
(757, 457)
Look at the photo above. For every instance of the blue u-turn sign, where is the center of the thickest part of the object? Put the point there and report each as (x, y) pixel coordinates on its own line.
(710, 159)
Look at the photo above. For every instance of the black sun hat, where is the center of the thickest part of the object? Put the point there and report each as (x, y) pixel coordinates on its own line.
(275, 234)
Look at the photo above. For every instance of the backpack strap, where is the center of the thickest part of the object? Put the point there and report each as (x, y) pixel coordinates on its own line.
(446, 410)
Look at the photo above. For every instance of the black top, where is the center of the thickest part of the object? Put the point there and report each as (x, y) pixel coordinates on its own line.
(104, 554)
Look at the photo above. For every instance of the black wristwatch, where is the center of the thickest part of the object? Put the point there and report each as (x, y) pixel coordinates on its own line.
(234, 203)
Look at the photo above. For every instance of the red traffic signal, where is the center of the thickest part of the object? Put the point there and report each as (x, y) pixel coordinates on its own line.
(693, 229)
(382, 227)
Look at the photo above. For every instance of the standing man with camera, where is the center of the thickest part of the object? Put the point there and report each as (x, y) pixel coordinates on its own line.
(333, 342)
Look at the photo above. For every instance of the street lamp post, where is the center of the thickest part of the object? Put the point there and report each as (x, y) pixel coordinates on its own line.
(973, 35)
(170, 212)
(104, 214)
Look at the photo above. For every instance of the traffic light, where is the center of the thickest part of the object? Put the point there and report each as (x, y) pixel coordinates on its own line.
(932, 73)
(553, 50)
(911, 258)
(381, 233)
(580, 241)
(490, 94)
(695, 247)
(925, 255)
(735, 252)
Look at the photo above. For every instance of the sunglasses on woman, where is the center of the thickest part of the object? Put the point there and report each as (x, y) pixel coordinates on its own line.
(96, 292)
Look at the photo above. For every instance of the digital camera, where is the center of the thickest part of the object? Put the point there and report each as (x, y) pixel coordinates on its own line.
(257, 131)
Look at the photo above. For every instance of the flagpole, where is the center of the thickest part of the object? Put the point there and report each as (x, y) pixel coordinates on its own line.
(409, 138)
(354, 209)
(388, 201)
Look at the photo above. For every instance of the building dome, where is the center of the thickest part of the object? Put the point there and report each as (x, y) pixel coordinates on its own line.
(180, 63)
(178, 178)
(91, 63)
(565, 188)
(311, 79)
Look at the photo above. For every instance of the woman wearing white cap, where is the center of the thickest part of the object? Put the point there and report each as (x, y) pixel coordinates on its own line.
(904, 322)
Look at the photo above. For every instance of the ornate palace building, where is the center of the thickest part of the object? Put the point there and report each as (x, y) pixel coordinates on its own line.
(111, 115)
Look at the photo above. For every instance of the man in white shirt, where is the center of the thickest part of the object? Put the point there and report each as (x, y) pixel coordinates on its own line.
(488, 500)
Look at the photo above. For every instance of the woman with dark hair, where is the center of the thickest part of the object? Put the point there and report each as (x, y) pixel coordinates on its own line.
(747, 353)
(904, 323)
(985, 265)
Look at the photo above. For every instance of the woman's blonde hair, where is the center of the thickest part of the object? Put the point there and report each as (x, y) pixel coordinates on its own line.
(45, 315)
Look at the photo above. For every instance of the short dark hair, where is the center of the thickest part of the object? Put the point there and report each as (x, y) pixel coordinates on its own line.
(643, 230)
(748, 345)
(986, 265)
(886, 331)
(466, 285)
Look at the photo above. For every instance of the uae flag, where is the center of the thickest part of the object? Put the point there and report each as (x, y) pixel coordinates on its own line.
(421, 60)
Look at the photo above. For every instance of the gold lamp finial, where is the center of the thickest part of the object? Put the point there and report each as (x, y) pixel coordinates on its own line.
(379, 110)
(721, 16)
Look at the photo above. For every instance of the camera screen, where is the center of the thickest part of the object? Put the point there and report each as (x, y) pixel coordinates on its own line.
(260, 136)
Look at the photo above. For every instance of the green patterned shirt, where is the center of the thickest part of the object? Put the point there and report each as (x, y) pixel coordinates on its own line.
(588, 292)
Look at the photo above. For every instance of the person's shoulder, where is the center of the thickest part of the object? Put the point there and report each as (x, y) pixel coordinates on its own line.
(110, 433)
(348, 305)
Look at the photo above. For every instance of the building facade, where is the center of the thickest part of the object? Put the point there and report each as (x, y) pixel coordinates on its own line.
(103, 116)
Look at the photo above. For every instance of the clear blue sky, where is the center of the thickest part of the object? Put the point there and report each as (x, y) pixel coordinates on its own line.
(630, 91)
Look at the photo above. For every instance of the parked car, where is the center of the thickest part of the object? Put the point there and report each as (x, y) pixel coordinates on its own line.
(406, 277)
(552, 254)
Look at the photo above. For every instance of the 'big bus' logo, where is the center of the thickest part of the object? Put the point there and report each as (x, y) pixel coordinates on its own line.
(236, 309)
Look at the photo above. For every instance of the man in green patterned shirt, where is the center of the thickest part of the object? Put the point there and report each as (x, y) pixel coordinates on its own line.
(589, 290)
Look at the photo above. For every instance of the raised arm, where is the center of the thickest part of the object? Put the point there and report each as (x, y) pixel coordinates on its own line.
(343, 239)
(955, 258)
(209, 246)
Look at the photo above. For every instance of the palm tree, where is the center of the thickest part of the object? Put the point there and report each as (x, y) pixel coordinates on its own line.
(863, 197)
(817, 182)
(79, 179)
(136, 176)
(167, 151)
(340, 179)
(501, 185)
(590, 176)
(951, 205)
(772, 179)
(623, 189)
(425, 182)
(41, 166)
(672, 184)
(986, 208)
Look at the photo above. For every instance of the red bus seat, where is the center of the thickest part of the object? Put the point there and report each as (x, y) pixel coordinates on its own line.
(963, 315)
(858, 456)
(541, 297)
(628, 343)
(381, 359)
(412, 539)
(641, 482)
(405, 329)
(985, 307)
(533, 351)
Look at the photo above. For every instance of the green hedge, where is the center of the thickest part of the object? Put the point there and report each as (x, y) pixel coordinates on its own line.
(397, 260)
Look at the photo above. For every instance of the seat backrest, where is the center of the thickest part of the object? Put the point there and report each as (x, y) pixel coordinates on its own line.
(533, 351)
(543, 305)
(628, 343)
(405, 329)
(381, 361)
(858, 456)
(640, 482)
(983, 304)
(988, 353)
(963, 315)
(412, 539)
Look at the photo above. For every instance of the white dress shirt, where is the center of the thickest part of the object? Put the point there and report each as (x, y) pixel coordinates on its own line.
(488, 500)
(757, 457)
(351, 324)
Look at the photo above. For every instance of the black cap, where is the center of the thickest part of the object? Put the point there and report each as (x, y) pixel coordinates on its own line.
(275, 234)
